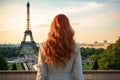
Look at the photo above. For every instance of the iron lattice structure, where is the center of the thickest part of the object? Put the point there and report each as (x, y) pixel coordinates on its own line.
(28, 32)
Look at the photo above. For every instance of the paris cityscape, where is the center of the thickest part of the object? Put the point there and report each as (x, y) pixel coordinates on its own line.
(100, 50)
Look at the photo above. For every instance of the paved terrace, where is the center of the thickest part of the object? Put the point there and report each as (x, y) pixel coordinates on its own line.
(88, 75)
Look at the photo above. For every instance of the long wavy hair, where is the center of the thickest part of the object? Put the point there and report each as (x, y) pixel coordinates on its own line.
(60, 45)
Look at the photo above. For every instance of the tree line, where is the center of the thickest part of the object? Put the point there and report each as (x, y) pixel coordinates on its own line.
(87, 52)
(108, 59)
(9, 52)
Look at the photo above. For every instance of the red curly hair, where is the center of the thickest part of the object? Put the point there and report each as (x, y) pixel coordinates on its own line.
(60, 44)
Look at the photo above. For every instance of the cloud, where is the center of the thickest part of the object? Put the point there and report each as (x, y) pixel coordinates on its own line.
(73, 8)
(110, 17)
(83, 6)
(113, 0)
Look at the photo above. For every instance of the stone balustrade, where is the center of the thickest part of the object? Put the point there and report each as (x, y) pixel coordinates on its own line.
(88, 75)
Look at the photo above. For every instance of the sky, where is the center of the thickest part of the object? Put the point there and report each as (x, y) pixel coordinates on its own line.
(92, 20)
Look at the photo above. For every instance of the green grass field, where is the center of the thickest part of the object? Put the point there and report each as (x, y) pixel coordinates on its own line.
(10, 66)
(87, 67)
(19, 66)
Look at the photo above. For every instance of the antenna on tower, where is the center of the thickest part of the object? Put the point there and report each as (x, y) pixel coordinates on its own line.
(28, 15)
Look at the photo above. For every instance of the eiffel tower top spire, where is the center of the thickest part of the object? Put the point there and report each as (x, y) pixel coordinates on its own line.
(28, 15)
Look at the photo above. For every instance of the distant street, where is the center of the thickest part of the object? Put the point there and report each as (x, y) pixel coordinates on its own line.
(29, 58)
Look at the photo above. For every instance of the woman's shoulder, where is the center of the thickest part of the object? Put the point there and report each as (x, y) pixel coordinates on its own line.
(77, 46)
(77, 49)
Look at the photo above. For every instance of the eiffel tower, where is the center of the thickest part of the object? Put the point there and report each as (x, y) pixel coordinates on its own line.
(28, 32)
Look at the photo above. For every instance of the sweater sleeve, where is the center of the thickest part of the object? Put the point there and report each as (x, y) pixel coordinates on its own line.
(77, 72)
(42, 67)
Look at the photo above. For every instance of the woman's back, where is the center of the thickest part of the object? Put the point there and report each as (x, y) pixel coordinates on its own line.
(72, 71)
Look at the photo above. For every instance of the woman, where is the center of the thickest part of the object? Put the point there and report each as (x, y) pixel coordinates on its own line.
(59, 57)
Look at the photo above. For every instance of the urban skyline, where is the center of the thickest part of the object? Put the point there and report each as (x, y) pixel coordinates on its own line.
(92, 20)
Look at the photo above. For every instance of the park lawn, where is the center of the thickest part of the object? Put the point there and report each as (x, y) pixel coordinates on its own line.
(10, 66)
(87, 66)
(18, 65)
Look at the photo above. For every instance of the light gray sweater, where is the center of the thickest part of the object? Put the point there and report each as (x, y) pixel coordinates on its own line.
(72, 71)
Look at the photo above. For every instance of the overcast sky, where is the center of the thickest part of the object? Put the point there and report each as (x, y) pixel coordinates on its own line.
(92, 20)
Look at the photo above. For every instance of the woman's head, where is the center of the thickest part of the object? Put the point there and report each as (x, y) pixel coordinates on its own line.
(60, 44)
(61, 26)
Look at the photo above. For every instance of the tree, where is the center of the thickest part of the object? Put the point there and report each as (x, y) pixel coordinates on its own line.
(110, 59)
(3, 63)
(9, 52)
(95, 65)
(14, 67)
(99, 50)
(95, 58)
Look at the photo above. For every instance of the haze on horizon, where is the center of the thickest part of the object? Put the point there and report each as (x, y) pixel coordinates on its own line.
(92, 20)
